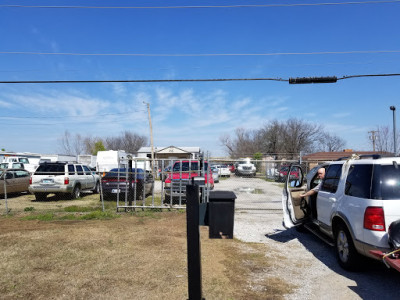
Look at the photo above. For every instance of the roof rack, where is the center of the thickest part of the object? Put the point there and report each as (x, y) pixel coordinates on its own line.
(364, 156)
(373, 156)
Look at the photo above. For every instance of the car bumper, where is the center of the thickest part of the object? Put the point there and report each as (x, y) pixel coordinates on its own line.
(50, 189)
(245, 172)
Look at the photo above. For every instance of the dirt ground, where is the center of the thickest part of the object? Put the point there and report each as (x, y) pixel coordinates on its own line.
(50, 253)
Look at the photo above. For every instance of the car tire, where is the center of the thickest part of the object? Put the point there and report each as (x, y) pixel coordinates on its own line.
(76, 193)
(96, 188)
(40, 196)
(346, 253)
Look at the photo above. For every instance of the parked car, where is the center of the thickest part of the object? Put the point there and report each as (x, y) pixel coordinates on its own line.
(63, 178)
(223, 170)
(116, 181)
(231, 168)
(12, 165)
(180, 176)
(215, 174)
(245, 167)
(283, 171)
(358, 200)
(16, 181)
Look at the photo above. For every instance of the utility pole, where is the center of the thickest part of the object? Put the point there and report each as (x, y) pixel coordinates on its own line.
(373, 138)
(151, 140)
(393, 108)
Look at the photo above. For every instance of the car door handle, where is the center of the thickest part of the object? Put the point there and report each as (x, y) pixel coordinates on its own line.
(332, 199)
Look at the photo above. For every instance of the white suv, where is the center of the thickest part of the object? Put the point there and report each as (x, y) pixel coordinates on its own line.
(245, 167)
(358, 200)
(63, 178)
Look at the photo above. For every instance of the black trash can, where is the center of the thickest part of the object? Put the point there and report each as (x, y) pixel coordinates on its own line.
(221, 212)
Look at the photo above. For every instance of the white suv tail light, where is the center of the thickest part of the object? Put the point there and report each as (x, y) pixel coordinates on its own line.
(374, 219)
(66, 180)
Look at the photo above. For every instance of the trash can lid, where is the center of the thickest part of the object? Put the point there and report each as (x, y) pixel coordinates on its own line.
(222, 196)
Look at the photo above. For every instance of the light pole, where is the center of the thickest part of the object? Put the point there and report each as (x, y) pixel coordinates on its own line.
(393, 108)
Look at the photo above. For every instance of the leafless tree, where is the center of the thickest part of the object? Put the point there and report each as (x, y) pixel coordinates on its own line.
(241, 145)
(385, 141)
(128, 141)
(76, 144)
(71, 144)
(282, 139)
(330, 143)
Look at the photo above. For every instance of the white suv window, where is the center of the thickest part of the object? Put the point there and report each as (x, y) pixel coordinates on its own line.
(79, 170)
(331, 180)
(71, 170)
(358, 182)
(87, 170)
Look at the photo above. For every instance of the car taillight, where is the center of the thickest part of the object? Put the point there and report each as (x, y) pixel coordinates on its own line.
(374, 219)
(66, 180)
(30, 180)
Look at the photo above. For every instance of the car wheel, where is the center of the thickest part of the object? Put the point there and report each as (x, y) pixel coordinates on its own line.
(76, 192)
(96, 188)
(40, 196)
(347, 255)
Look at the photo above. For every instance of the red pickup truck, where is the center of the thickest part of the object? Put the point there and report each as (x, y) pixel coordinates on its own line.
(180, 176)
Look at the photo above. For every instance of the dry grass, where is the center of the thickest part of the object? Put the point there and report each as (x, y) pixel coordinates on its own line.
(139, 255)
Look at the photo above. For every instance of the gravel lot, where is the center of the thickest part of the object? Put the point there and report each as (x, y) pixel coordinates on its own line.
(310, 264)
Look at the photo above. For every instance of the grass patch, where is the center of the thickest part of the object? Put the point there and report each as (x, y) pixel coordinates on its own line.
(30, 208)
(75, 208)
(94, 215)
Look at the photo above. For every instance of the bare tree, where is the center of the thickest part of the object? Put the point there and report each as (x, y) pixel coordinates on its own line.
(72, 145)
(75, 145)
(330, 143)
(384, 141)
(283, 139)
(128, 141)
(299, 136)
(241, 145)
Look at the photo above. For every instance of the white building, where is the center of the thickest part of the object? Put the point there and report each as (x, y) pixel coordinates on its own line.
(170, 152)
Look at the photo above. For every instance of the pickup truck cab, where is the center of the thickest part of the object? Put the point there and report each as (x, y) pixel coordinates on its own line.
(358, 200)
(180, 176)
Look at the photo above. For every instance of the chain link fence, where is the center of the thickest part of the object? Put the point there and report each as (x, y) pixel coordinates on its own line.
(161, 184)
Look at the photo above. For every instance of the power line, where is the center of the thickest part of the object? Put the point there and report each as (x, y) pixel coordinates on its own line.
(81, 116)
(200, 54)
(202, 6)
(188, 80)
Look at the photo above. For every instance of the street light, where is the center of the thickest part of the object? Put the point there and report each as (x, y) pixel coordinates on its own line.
(393, 108)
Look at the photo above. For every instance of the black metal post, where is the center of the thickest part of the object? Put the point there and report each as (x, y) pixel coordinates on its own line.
(193, 242)
(130, 180)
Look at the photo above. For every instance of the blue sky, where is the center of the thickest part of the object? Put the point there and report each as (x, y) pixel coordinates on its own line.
(176, 44)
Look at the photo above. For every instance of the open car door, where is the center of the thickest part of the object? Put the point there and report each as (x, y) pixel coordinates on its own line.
(294, 206)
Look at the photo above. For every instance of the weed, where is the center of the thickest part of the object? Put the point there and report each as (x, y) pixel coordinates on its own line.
(75, 208)
(30, 208)
(41, 217)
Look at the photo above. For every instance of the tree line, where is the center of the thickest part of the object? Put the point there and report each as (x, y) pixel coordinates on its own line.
(76, 144)
(281, 139)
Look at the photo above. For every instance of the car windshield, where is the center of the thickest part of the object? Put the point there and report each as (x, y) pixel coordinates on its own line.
(50, 169)
(185, 166)
(123, 171)
(24, 160)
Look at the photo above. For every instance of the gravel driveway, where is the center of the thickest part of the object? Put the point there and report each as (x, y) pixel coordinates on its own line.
(310, 264)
